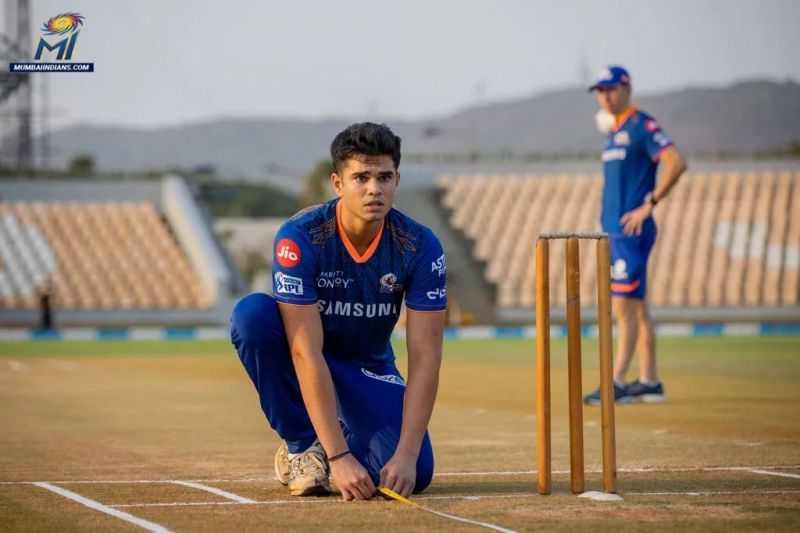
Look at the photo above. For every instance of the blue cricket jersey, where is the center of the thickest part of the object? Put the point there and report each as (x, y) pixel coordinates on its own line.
(630, 161)
(359, 297)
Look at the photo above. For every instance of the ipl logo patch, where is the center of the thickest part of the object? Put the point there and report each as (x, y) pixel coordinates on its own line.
(288, 284)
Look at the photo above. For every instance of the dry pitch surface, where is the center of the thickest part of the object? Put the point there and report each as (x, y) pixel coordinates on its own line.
(169, 435)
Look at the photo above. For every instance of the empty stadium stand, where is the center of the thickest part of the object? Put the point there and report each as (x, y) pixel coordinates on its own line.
(109, 254)
(726, 239)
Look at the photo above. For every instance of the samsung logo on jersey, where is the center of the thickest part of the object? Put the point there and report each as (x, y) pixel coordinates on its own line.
(614, 154)
(357, 309)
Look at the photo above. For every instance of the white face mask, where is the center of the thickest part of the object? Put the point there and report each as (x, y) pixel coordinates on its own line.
(605, 121)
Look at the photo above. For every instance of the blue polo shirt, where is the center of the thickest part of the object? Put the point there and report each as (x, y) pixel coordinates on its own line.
(630, 161)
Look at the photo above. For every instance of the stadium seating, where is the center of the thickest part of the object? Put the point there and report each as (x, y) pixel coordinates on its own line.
(110, 255)
(725, 239)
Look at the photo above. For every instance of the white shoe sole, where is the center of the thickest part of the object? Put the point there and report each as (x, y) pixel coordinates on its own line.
(650, 398)
(313, 490)
(283, 478)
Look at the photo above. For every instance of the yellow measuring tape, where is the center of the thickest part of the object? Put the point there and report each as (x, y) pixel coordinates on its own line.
(393, 495)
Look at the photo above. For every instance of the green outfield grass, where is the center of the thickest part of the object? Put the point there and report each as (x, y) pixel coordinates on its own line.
(112, 411)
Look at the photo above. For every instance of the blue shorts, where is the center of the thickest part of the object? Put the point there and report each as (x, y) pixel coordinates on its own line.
(369, 399)
(629, 254)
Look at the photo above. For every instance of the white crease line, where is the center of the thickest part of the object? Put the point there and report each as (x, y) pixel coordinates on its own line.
(328, 500)
(712, 493)
(441, 474)
(456, 474)
(145, 481)
(767, 472)
(214, 490)
(476, 496)
(239, 499)
(705, 469)
(200, 504)
(627, 470)
(487, 525)
(97, 506)
(471, 497)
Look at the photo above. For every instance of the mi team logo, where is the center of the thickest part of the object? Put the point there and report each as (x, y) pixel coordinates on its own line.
(389, 284)
(66, 24)
(60, 36)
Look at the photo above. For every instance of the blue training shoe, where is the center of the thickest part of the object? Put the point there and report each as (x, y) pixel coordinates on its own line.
(641, 392)
(621, 395)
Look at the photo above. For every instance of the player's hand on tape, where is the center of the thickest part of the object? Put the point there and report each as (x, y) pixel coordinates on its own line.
(352, 479)
(632, 221)
(400, 475)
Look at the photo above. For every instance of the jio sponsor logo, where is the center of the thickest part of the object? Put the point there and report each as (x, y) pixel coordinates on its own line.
(287, 253)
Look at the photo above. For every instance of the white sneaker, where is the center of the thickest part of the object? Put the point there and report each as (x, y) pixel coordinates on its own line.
(307, 473)
(282, 467)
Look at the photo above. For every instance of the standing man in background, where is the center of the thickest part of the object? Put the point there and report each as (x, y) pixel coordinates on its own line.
(635, 145)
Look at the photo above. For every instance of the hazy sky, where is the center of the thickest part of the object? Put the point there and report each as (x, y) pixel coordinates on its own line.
(167, 62)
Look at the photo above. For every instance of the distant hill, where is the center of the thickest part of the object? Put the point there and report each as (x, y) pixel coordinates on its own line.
(745, 117)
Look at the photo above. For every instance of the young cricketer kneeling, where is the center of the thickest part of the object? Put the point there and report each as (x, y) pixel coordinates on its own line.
(318, 351)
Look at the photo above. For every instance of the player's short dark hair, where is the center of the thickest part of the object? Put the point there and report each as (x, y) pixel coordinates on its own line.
(365, 139)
